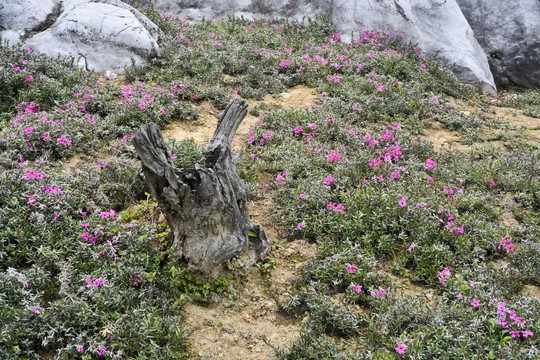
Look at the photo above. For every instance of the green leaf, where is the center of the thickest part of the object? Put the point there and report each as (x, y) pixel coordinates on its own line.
(251, 233)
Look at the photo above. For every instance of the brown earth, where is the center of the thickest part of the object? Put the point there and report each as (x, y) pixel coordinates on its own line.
(442, 139)
(250, 326)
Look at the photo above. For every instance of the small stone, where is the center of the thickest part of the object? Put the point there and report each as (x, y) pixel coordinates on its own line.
(110, 75)
(285, 95)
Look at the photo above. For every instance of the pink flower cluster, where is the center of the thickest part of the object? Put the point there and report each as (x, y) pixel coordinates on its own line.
(443, 275)
(338, 207)
(378, 294)
(106, 214)
(506, 242)
(96, 282)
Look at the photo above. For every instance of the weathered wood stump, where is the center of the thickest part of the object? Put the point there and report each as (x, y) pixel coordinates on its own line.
(205, 206)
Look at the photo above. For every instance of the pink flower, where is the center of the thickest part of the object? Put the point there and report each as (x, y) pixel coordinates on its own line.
(331, 206)
(351, 268)
(80, 349)
(430, 163)
(195, 97)
(143, 106)
(460, 296)
(515, 334)
(402, 202)
(302, 196)
(29, 78)
(340, 208)
(491, 182)
(329, 180)
(475, 303)
(358, 289)
(444, 274)
(62, 140)
(300, 226)
(161, 112)
(401, 349)
(527, 333)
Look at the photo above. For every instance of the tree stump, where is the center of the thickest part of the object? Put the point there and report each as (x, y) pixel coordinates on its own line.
(205, 206)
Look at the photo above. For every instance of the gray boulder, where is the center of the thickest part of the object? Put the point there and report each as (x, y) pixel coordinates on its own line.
(509, 33)
(20, 17)
(438, 26)
(102, 35)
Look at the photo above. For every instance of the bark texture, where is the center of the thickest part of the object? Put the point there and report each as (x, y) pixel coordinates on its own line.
(205, 206)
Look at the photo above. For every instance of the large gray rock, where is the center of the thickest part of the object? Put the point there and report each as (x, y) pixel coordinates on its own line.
(102, 35)
(438, 26)
(509, 33)
(19, 17)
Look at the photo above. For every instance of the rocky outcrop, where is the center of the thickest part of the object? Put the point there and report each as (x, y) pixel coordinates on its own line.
(102, 35)
(438, 26)
(20, 17)
(509, 33)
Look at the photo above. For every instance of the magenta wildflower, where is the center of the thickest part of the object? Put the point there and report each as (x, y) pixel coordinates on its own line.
(351, 268)
(329, 180)
(515, 334)
(29, 78)
(475, 303)
(444, 274)
(62, 140)
(300, 226)
(400, 349)
(402, 202)
(430, 163)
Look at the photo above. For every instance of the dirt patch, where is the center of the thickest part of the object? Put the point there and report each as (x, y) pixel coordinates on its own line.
(264, 212)
(119, 80)
(516, 117)
(508, 219)
(298, 97)
(201, 130)
(250, 327)
(443, 139)
(532, 291)
(71, 163)
(534, 136)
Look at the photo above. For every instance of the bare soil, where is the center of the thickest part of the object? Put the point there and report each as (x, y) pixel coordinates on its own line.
(443, 139)
(250, 326)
